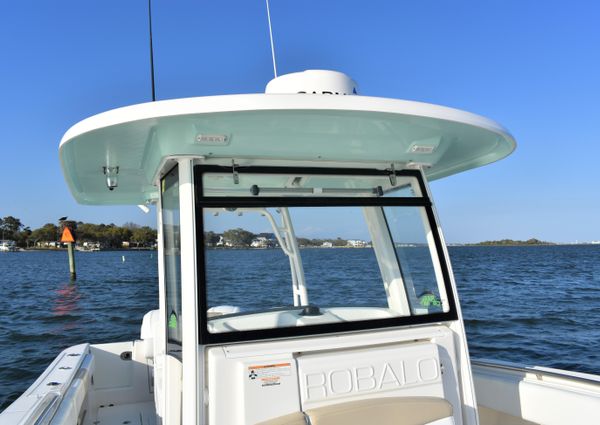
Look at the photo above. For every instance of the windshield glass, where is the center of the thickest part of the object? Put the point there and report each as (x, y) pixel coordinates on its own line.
(289, 251)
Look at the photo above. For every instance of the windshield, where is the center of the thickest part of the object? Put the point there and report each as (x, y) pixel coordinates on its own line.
(305, 250)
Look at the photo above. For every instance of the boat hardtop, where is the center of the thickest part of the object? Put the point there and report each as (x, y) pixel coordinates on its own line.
(303, 273)
(298, 128)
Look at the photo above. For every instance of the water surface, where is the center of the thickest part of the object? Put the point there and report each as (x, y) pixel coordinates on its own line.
(538, 305)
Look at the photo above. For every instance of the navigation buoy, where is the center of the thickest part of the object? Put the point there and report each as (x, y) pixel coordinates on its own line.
(68, 238)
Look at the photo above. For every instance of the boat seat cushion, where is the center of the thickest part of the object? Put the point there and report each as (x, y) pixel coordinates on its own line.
(296, 418)
(383, 411)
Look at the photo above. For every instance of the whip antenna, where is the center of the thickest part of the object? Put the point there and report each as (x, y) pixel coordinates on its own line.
(151, 50)
(271, 37)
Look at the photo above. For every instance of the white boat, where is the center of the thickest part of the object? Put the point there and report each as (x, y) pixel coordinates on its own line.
(237, 342)
(88, 247)
(8, 246)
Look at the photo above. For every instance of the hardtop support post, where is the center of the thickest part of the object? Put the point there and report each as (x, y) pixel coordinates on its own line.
(383, 246)
(192, 382)
(298, 280)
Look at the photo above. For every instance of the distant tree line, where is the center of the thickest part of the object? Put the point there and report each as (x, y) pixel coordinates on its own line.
(240, 238)
(320, 242)
(233, 237)
(512, 242)
(108, 235)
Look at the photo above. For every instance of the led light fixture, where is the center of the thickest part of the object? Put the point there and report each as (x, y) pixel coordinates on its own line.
(111, 177)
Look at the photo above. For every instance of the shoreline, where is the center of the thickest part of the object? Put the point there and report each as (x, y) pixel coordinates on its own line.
(65, 249)
(450, 245)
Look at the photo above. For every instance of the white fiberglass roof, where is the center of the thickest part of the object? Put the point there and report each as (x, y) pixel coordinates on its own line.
(304, 129)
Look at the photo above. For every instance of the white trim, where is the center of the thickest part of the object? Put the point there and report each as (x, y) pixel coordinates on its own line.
(263, 102)
(165, 166)
(162, 327)
(469, 402)
(189, 296)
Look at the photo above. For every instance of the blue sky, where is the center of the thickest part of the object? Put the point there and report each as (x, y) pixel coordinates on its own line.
(532, 66)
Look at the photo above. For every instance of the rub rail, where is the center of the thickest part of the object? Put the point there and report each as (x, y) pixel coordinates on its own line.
(538, 372)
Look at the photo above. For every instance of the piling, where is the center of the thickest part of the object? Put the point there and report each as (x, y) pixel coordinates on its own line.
(71, 252)
(68, 237)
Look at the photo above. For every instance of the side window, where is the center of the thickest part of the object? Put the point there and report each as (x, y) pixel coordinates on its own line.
(415, 249)
(172, 254)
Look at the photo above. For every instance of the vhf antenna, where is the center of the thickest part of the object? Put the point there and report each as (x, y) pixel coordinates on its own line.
(151, 50)
(271, 36)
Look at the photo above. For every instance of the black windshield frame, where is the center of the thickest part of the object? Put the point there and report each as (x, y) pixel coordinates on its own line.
(202, 202)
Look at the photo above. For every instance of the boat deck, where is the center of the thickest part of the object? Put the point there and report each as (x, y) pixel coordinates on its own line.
(129, 414)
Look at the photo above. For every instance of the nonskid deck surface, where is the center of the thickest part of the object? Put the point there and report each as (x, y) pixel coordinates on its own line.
(128, 414)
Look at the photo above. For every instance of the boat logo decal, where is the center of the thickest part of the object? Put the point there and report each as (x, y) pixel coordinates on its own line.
(387, 375)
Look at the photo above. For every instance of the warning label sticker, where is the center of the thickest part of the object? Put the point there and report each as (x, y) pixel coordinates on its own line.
(269, 375)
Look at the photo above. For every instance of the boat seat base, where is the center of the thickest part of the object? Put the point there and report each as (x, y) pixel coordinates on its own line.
(380, 411)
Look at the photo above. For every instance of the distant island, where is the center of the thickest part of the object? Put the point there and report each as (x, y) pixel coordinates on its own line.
(512, 242)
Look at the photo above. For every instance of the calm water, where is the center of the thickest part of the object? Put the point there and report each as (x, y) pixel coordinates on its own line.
(538, 305)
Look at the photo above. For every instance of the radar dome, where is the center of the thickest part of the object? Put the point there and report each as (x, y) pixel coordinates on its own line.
(313, 82)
